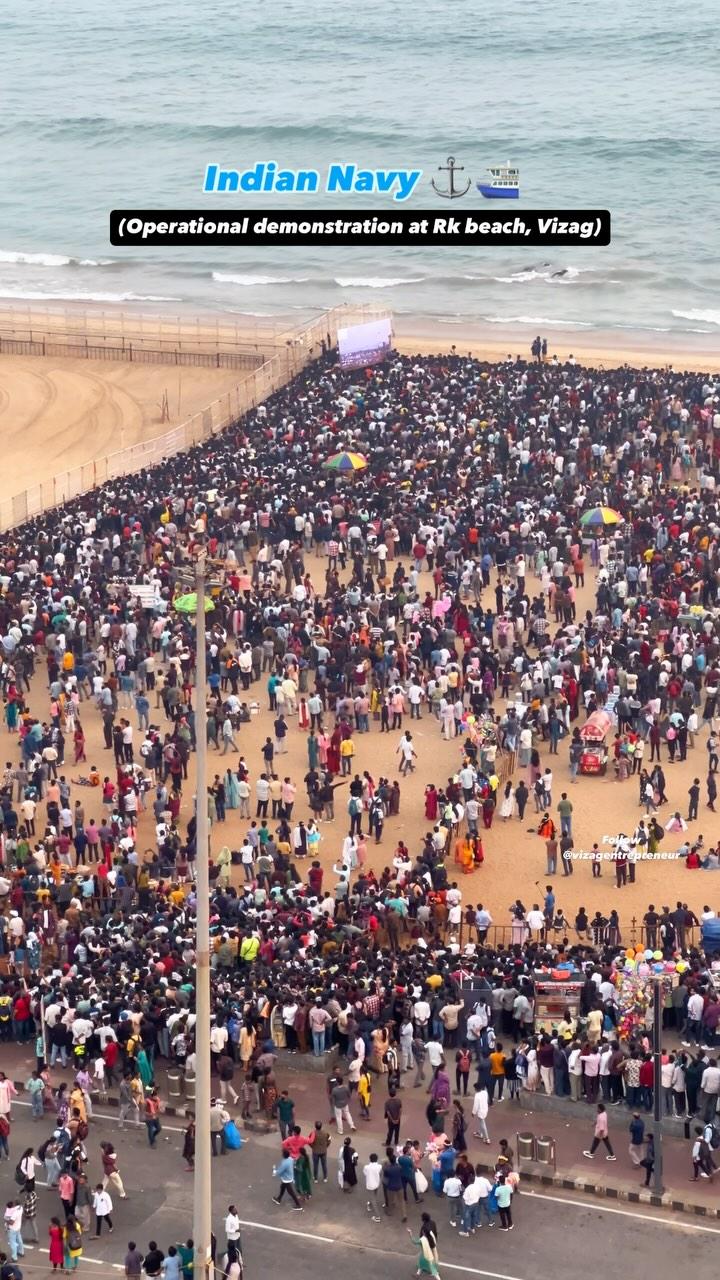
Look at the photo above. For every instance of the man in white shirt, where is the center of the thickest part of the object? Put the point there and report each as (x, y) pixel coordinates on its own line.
(453, 897)
(421, 1017)
(476, 1023)
(606, 1054)
(372, 1173)
(434, 1052)
(535, 919)
(53, 1011)
(453, 1189)
(102, 1204)
(232, 1229)
(470, 1208)
(13, 1217)
(218, 1040)
(694, 1019)
(480, 1108)
(247, 858)
(407, 754)
(710, 1085)
(575, 1072)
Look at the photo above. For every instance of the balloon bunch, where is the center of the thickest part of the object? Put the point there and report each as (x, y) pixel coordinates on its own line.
(633, 979)
(481, 729)
(643, 961)
(633, 999)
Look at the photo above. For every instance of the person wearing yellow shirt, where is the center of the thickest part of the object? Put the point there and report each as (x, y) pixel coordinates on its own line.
(497, 1071)
(249, 948)
(347, 751)
(566, 1028)
(364, 1093)
(276, 795)
(594, 1025)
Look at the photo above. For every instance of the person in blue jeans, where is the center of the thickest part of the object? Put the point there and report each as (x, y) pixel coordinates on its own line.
(452, 1189)
(152, 1116)
(471, 1208)
(320, 1022)
(13, 1226)
(407, 1170)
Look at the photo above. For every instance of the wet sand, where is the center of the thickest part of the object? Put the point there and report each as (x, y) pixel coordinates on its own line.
(606, 348)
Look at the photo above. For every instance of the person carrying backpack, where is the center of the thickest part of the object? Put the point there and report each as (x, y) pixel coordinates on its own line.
(463, 1062)
(72, 1237)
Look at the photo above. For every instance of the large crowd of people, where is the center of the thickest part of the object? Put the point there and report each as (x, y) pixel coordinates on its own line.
(439, 583)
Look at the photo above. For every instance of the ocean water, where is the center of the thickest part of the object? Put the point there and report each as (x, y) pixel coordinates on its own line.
(611, 106)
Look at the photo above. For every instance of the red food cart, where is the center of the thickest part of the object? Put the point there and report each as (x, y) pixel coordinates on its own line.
(594, 734)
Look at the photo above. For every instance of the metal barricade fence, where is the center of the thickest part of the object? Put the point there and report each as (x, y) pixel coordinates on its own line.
(298, 351)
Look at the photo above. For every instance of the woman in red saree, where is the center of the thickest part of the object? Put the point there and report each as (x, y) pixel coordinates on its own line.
(431, 803)
(333, 753)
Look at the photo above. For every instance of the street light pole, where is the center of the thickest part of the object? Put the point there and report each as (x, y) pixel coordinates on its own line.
(202, 1200)
(657, 1086)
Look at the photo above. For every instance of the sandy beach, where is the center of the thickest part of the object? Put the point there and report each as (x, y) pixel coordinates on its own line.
(608, 348)
(54, 413)
(58, 413)
(126, 325)
(205, 330)
(514, 853)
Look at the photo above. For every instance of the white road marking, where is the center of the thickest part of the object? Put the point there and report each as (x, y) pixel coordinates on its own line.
(97, 1262)
(99, 1115)
(475, 1271)
(305, 1235)
(680, 1225)
(285, 1231)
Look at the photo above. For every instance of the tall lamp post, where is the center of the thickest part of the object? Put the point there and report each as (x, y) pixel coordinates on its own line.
(657, 1086)
(202, 1198)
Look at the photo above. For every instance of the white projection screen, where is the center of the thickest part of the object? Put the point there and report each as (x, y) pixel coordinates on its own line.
(362, 344)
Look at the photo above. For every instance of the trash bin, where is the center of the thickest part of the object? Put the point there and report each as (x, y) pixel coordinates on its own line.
(190, 1086)
(526, 1146)
(174, 1085)
(545, 1151)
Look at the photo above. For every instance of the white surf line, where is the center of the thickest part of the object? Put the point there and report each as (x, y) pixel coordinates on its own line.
(680, 1225)
(99, 1115)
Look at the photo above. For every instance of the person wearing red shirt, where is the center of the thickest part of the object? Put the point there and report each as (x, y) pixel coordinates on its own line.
(22, 1017)
(295, 1142)
(647, 1078)
(110, 1057)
